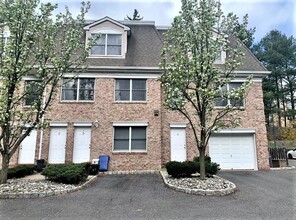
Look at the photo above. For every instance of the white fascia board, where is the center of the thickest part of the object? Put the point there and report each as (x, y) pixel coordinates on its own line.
(114, 75)
(125, 67)
(260, 74)
(87, 27)
(58, 124)
(245, 79)
(137, 22)
(131, 123)
(236, 131)
(82, 124)
(178, 125)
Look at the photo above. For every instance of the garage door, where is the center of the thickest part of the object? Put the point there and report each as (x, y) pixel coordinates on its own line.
(233, 151)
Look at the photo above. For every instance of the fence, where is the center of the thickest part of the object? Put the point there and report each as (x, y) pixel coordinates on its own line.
(278, 157)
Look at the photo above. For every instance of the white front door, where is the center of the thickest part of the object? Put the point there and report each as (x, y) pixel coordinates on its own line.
(233, 151)
(27, 149)
(178, 144)
(81, 152)
(57, 145)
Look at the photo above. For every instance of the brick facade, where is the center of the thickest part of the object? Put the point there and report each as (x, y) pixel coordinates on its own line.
(142, 57)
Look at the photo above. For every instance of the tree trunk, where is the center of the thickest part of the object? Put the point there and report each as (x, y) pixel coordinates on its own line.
(292, 100)
(202, 171)
(278, 103)
(4, 170)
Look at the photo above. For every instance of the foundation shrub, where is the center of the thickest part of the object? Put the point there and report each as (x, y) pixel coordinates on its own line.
(20, 171)
(211, 167)
(67, 173)
(181, 169)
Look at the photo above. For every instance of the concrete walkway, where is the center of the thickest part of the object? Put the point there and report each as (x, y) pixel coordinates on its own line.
(36, 176)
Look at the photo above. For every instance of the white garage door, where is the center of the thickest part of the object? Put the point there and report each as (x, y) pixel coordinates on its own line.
(27, 149)
(233, 151)
(57, 145)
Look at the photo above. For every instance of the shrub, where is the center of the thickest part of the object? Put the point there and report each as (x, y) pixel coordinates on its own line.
(20, 171)
(211, 168)
(67, 173)
(181, 169)
(94, 169)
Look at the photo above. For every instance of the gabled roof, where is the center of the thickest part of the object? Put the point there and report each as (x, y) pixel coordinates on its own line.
(145, 43)
(87, 27)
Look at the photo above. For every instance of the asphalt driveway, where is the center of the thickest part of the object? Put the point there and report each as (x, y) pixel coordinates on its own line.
(261, 195)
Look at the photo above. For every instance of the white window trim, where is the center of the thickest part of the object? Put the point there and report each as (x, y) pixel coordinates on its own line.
(107, 31)
(228, 100)
(78, 87)
(130, 125)
(25, 87)
(223, 58)
(131, 92)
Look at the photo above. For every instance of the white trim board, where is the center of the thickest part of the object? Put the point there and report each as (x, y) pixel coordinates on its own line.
(82, 124)
(236, 131)
(178, 125)
(130, 123)
(58, 124)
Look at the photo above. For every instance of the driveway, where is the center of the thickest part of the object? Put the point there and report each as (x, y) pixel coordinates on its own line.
(261, 195)
(292, 162)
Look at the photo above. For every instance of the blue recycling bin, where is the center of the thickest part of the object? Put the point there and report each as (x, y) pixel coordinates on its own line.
(104, 162)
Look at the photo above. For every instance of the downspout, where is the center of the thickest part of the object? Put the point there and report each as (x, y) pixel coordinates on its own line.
(41, 131)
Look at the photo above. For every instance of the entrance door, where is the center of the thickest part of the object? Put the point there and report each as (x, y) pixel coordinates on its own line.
(57, 145)
(81, 152)
(178, 144)
(27, 149)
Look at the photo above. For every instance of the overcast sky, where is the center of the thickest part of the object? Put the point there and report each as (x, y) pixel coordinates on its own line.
(265, 15)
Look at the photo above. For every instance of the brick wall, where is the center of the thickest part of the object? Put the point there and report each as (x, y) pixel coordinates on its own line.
(251, 117)
(102, 113)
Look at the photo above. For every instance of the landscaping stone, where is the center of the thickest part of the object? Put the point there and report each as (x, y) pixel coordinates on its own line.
(33, 188)
(214, 186)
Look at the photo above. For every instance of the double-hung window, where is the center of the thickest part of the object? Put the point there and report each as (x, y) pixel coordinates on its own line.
(4, 37)
(225, 99)
(130, 138)
(81, 89)
(31, 90)
(107, 44)
(130, 90)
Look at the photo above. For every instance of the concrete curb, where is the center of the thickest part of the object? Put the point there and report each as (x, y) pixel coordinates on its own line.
(46, 194)
(132, 172)
(283, 168)
(222, 192)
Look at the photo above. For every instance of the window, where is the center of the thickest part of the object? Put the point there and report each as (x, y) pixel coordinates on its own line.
(31, 87)
(220, 59)
(78, 89)
(224, 101)
(107, 44)
(129, 138)
(4, 37)
(130, 90)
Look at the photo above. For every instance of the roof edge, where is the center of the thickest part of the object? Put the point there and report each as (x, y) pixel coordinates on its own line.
(87, 27)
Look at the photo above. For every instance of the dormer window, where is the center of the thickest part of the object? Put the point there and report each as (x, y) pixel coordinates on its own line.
(107, 44)
(112, 41)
